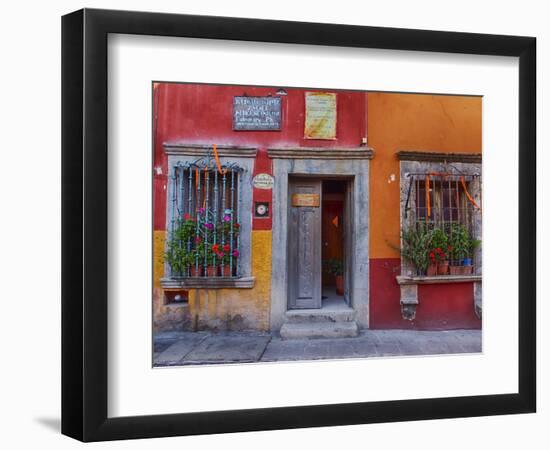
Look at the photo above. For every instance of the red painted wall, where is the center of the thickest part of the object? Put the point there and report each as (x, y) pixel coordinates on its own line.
(202, 114)
(441, 306)
(263, 164)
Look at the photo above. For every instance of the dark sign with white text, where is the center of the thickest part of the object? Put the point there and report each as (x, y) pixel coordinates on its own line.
(256, 113)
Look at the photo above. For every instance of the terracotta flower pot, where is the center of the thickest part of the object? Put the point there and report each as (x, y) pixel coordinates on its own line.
(455, 270)
(211, 271)
(196, 272)
(467, 270)
(443, 268)
(432, 270)
(226, 271)
(340, 284)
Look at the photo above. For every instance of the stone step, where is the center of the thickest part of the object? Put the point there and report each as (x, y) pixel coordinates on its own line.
(320, 315)
(311, 330)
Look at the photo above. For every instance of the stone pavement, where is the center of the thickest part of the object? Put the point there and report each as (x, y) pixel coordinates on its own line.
(190, 348)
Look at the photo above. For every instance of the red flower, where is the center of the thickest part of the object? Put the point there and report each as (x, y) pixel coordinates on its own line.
(236, 225)
(198, 239)
(216, 248)
(226, 247)
(187, 216)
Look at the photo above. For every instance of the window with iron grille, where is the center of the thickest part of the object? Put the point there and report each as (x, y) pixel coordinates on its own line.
(441, 200)
(441, 222)
(204, 229)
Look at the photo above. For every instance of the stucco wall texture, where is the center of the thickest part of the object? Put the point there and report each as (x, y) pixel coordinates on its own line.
(392, 122)
(429, 123)
(238, 309)
(437, 123)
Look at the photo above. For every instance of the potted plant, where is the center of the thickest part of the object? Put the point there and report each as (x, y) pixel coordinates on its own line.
(463, 248)
(211, 256)
(459, 239)
(195, 269)
(416, 246)
(439, 251)
(179, 254)
(178, 258)
(472, 245)
(336, 267)
(225, 257)
(230, 256)
(438, 262)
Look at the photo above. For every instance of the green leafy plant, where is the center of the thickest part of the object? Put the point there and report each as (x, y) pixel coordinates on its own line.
(463, 244)
(206, 254)
(473, 244)
(180, 254)
(197, 253)
(191, 243)
(459, 240)
(178, 258)
(416, 245)
(333, 266)
(440, 241)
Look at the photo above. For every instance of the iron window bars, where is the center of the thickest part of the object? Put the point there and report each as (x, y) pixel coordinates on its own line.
(204, 226)
(443, 200)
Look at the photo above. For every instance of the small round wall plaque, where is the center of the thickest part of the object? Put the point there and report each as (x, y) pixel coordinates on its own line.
(263, 181)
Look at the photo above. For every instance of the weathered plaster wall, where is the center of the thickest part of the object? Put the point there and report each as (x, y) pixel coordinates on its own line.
(429, 123)
(396, 122)
(202, 114)
(238, 309)
(165, 317)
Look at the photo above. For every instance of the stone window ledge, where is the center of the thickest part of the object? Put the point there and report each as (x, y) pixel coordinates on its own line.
(176, 305)
(208, 283)
(439, 279)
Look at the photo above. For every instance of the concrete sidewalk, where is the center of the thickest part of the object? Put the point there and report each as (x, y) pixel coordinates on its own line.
(189, 348)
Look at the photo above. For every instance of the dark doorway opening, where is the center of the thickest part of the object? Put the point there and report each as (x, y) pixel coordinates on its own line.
(332, 241)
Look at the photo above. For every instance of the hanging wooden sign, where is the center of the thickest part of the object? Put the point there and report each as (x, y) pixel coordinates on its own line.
(311, 200)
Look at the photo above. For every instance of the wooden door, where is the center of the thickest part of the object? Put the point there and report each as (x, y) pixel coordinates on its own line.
(347, 227)
(304, 244)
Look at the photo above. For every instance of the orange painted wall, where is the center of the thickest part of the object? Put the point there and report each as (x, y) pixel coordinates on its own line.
(411, 122)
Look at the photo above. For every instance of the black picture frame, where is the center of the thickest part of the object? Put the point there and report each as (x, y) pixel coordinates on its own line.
(84, 224)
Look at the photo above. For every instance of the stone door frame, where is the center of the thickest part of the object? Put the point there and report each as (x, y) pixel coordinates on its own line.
(352, 164)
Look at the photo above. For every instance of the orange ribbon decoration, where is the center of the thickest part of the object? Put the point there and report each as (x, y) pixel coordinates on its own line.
(428, 197)
(217, 158)
(472, 201)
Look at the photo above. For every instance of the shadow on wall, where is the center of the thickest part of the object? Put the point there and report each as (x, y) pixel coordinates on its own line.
(51, 423)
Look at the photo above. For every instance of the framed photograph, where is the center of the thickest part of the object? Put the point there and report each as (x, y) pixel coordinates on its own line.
(273, 225)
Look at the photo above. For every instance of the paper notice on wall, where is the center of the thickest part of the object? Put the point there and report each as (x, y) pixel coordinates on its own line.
(320, 120)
